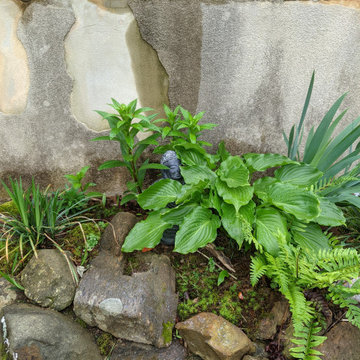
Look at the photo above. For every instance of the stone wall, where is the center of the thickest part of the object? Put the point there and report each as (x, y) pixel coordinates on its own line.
(247, 64)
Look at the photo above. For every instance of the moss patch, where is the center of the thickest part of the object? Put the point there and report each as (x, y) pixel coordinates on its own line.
(105, 343)
(9, 208)
(167, 332)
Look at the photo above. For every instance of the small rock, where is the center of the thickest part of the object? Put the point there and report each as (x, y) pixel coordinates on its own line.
(249, 357)
(214, 338)
(8, 293)
(48, 280)
(343, 342)
(268, 326)
(30, 332)
(126, 350)
(140, 308)
(116, 232)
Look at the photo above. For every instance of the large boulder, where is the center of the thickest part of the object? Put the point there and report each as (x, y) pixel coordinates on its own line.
(140, 307)
(214, 338)
(50, 279)
(126, 350)
(30, 332)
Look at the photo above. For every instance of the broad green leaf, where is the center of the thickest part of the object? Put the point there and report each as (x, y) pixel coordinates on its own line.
(269, 223)
(262, 186)
(330, 214)
(176, 215)
(196, 173)
(301, 203)
(112, 164)
(238, 224)
(101, 138)
(311, 238)
(234, 172)
(160, 194)
(236, 196)
(298, 174)
(261, 162)
(222, 152)
(189, 192)
(145, 234)
(190, 156)
(198, 229)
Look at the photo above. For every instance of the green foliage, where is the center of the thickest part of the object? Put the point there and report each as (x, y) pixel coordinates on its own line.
(167, 332)
(76, 196)
(41, 216)
(294, 270)
(219, 191)
(124, 130)
(328, 154)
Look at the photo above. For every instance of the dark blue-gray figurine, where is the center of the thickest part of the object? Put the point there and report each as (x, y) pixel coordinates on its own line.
(170, 160)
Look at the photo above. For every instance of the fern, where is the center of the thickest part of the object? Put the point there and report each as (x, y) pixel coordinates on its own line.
(257, 269)
(307, 340)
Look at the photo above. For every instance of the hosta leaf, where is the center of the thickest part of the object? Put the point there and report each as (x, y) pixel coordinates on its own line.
(159, 194)
(198, 229)
(301, 203)
(311, 237)
(234, 172)
(236, 196)
(298, 174)
(269, 223)
(190, 191)
(238, 224)
(196, 173)
(190, 157)
(146, 234)
(330, 215)
(261, 162)
(176, 216)
(262, 186)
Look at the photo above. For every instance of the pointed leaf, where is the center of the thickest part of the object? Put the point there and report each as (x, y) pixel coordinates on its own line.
(298, 174)
(112, 164)
(236, 196)
(269, 223)
(330, 215)
(176, 216)
(159, 194)
(198, 229)
(311, 238)
(145, 234)
(301, 203)
(261, 162)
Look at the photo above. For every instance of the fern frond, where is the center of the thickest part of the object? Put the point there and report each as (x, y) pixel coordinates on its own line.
(258, 268)
(339, 264)
(307, 340)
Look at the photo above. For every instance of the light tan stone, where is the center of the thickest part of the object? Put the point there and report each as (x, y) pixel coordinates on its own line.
(214, 338)
(107, 58)
(14, 71)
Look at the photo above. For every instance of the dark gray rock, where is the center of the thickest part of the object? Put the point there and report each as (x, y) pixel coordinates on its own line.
(126, 350)
(48, 280)
(30, 332)
(115, 233)
(140, 308)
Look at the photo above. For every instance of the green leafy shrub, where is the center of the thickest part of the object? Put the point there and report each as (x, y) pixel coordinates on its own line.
(42, 215)
(124, 130)
(328, 154)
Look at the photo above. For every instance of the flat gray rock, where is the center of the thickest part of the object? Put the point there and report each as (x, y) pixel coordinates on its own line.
(30, 332)
(48, 280)
(126, 350)
(139, 308)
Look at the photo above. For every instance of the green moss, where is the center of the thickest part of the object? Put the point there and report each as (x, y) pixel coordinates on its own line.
(9, 208)
(199, 292)
(81, 322)
(167, 332)
(105, 343)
